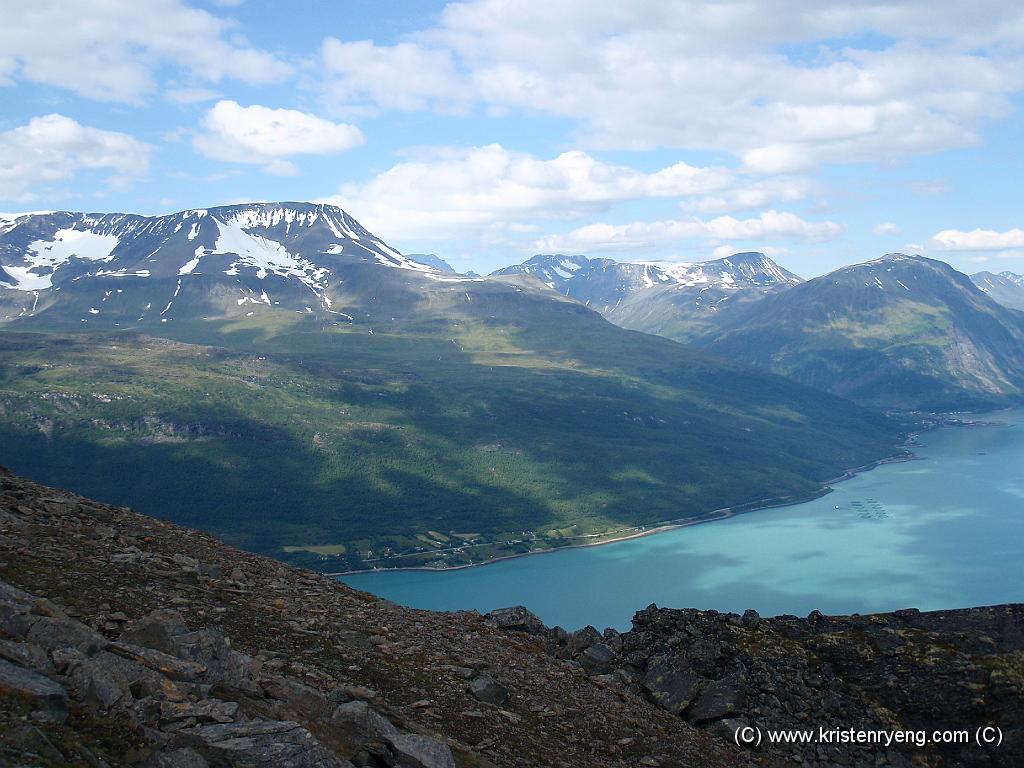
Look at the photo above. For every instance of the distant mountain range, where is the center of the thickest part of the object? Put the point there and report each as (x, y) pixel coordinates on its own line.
(899, 332)
(1007, 288)
(435, 261)
(681, 301)
(279, 375)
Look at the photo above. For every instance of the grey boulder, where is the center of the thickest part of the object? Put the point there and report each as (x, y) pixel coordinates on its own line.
(670, 684)
(259, 744)
(413, 751)
(45, 696)
(722, 698)
(517, 618)
(597, 659)
(488, 690)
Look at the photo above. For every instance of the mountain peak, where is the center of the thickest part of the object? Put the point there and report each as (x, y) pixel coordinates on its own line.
(552, 269)
(759, 269)
(273, 214)
(896, 260)
(745, 256)
(432, 260)
(899, 330)
(900, 273)
(293, 254)
(1013, 277)
(570, 273)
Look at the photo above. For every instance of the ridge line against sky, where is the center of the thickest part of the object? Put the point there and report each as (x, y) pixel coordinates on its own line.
(486, 131)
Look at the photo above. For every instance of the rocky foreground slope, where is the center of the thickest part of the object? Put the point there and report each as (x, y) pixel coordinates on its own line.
(129, 641)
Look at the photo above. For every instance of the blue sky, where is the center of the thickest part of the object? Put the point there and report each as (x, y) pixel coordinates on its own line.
(486, 131)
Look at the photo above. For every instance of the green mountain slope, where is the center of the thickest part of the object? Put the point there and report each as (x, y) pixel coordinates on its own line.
(900, 331)
(404, 418)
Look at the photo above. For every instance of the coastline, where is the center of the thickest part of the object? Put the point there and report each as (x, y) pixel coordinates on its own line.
(714, 516)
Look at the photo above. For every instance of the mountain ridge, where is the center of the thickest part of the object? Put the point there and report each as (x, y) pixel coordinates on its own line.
(679, 300)
(301, 250)
(899, 330)
(1007, 287)
(948, 344)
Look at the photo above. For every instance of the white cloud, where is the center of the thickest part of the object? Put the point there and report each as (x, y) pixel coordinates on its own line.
(111, 51)
(978, 240)
(281, 168)
(781, 85)
(752, 194)
(778, 158)
(648, 234)
(930, 188)
(460, 191)
(887, 228)
(403, 76)
(184, 95)
(262, 135)
(53, 148)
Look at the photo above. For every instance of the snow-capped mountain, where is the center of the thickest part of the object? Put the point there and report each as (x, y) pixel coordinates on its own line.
(671, 299)
(552, 270)
(128, 268)
(1007, 287)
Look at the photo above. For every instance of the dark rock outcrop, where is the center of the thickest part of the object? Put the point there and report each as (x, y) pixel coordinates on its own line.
(951, 671)
(517, 618)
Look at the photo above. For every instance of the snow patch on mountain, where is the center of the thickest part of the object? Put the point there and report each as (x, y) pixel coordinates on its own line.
(68, 243)
(189, 266)
(398, 261)
(272, 216)
(552, 270)
(568, 273)
(25, 280)
(254, 251)
(46, 256)
(741, 270)
(121, 273)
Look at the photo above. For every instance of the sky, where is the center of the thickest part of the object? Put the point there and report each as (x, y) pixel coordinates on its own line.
(487, 131)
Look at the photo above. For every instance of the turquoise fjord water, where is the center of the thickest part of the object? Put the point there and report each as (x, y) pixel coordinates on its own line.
(943, 531)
